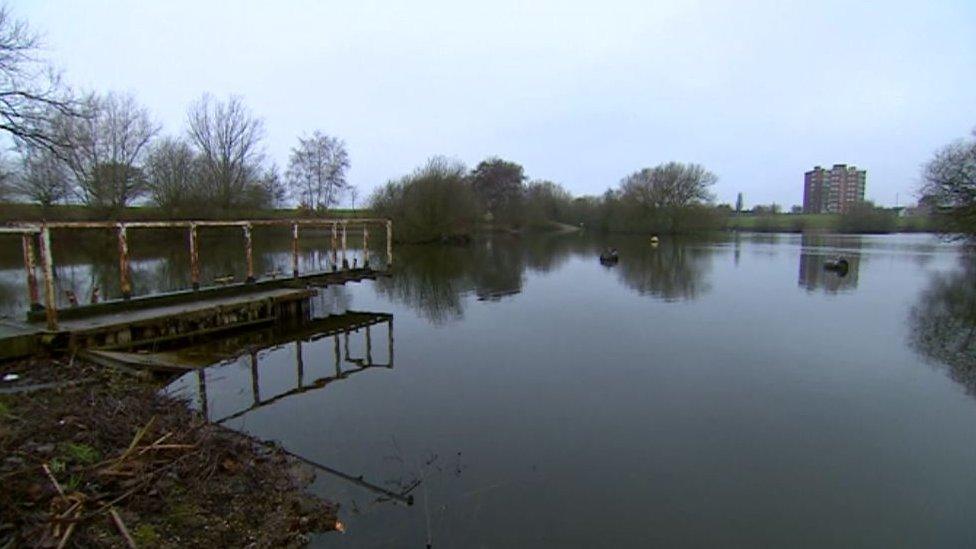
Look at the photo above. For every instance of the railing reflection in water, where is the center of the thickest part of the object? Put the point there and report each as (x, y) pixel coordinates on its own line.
(343, 330)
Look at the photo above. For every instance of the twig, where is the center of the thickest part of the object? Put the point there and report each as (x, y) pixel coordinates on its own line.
(69, 530)
(122, 529)
(53, 480)
(67, 534)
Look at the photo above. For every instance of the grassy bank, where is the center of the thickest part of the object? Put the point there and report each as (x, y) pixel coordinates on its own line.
(827, 223)
(32, 212)
(91, 457)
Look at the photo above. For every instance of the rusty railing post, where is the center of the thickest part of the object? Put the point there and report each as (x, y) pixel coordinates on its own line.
(124, 283)
(365, 246)
(335, 256)
(47, 266)
(248, 253)
(30, 264)
(345, 260)
(294, 250)
(194, 258)
(389, 244)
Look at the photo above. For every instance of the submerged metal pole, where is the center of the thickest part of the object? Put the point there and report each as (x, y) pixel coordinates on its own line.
(338, 357)
(255, 385)
(202, 389)
(369, 348)
(389, 335)
(248, 253)
(389, 244)
(301, 362)
(294, 250)
(50, 309)
(30, 264)
(124, 283)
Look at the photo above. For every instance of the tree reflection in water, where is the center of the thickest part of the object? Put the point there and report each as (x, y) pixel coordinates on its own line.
(673, 271)
(434, 279)
(943, 322)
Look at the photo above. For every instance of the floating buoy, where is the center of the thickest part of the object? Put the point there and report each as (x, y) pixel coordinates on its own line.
(654, 239)
(839, 265)
(609, 257)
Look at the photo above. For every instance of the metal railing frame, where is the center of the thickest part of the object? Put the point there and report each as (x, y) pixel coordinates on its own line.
(30, 231)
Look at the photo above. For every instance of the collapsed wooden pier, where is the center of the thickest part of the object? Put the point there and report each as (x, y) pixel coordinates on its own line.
(135, 322)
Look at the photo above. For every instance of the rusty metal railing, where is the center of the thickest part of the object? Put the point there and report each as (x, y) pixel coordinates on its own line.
(30, 231)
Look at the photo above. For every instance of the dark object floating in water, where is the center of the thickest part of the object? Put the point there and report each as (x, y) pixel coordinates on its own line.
(839, 265)
(609, 257)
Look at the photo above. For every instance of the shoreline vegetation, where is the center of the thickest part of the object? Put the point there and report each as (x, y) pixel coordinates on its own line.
(699, 219)
(443, 201)
(93, 456)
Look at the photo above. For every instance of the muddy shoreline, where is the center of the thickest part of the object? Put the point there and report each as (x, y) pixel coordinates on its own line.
(96, 457)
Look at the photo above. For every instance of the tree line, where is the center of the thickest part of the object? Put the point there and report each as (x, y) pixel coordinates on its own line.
(107, 152)
(443, 200)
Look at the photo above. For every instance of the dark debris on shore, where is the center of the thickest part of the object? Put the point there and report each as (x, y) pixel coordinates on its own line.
(92, 457)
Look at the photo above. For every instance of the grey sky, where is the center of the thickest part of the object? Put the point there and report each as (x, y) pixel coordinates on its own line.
(581, 93)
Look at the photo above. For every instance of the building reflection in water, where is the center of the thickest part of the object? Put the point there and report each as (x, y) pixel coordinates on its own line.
(816, 251)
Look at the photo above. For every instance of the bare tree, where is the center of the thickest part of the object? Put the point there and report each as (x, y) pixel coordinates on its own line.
(950, 183)
(107, 144)
(172, 171)
(228, 139)
(671, 185)
(317, 170)
(31, 93)
(275, 192)
(42, 178)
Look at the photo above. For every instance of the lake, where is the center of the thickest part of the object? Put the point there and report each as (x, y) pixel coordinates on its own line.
(704, 392)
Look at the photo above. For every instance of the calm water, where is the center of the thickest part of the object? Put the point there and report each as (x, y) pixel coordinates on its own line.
(703, 393)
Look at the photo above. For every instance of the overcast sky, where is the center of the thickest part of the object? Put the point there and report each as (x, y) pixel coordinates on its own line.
(581, 93)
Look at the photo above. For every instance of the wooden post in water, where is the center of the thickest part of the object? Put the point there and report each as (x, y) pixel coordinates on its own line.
(194, 258)
(345, 260)
(47, 266)
(30, 265)
(248, 254)
(389, 244)
(294, 250)
(124, 283)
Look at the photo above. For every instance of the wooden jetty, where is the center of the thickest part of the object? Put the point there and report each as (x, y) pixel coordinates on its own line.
(151, 320)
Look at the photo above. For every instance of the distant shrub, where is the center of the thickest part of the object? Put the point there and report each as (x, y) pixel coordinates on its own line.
(435, 202)
(866, 218)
